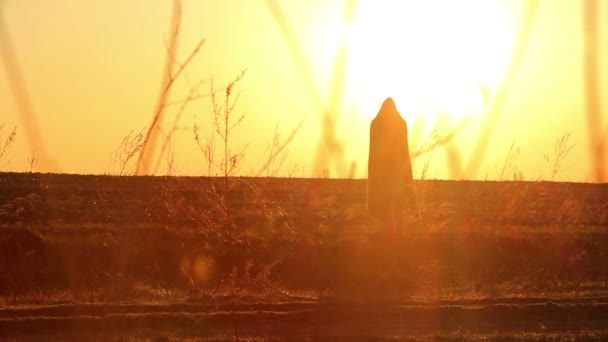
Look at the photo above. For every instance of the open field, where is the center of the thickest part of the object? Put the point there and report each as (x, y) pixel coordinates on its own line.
(104, 257)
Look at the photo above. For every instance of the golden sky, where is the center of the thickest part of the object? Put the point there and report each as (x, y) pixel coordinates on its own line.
(93, 71)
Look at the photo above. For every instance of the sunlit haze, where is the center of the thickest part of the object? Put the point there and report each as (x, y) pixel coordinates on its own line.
(93, 72)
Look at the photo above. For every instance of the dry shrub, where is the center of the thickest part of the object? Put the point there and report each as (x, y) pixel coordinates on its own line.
(23, 209)
(130, 146)
(32, 161)
(570, 211)
(224, 124)
(561, 149)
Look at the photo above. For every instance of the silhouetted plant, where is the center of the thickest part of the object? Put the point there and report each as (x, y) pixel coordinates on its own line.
(225, 120)
(277, 153)
(173, 70)
(509, 168)
(436, 140)
(555, 160)
(130, 146)
(207, 147)
(32, 161)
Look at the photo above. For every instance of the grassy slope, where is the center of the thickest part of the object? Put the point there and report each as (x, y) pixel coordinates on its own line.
(141, 239)
(485, 238)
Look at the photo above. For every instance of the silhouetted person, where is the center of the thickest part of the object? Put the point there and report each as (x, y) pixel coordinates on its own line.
(389, 168)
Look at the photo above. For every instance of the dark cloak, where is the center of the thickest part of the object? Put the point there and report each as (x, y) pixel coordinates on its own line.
(389, 164)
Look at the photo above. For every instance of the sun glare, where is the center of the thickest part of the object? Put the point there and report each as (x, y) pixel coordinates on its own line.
(431, 56)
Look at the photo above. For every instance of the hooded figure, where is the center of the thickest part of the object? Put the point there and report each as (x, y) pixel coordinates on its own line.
(389, 166)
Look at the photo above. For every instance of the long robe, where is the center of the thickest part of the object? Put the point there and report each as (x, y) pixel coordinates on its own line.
(389, 164)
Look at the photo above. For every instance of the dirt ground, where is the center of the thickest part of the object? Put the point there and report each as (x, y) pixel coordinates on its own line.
(171, 258)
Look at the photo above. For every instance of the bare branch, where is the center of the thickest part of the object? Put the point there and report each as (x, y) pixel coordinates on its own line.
(440, 140)
(174, 127)
(207, 148)
(187, 99)
(280, 148)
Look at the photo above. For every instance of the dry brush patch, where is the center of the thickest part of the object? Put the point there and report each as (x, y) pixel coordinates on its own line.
(173, 234)
(306, 246)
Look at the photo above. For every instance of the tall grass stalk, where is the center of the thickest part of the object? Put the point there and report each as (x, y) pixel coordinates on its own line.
(225, 120)
(32, 161)
(509, 168)
(173, 70)
(561, 149)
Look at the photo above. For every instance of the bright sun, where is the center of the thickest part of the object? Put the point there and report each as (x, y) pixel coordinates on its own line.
(430, 56)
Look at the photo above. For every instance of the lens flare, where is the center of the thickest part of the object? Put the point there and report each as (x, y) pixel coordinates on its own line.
(202, 269)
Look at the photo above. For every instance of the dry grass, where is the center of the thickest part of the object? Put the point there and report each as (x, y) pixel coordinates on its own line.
(509, 169)
(561, 149)
(138, 240)
(130, 146)
(142, 226)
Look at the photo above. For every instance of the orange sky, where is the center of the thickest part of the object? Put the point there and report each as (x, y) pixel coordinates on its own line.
(93, 71)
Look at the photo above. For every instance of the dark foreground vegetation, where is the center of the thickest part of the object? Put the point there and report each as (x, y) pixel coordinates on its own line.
(172, 257)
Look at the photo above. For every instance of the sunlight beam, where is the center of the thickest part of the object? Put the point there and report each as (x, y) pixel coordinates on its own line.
(497, 105)
(22, 97)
